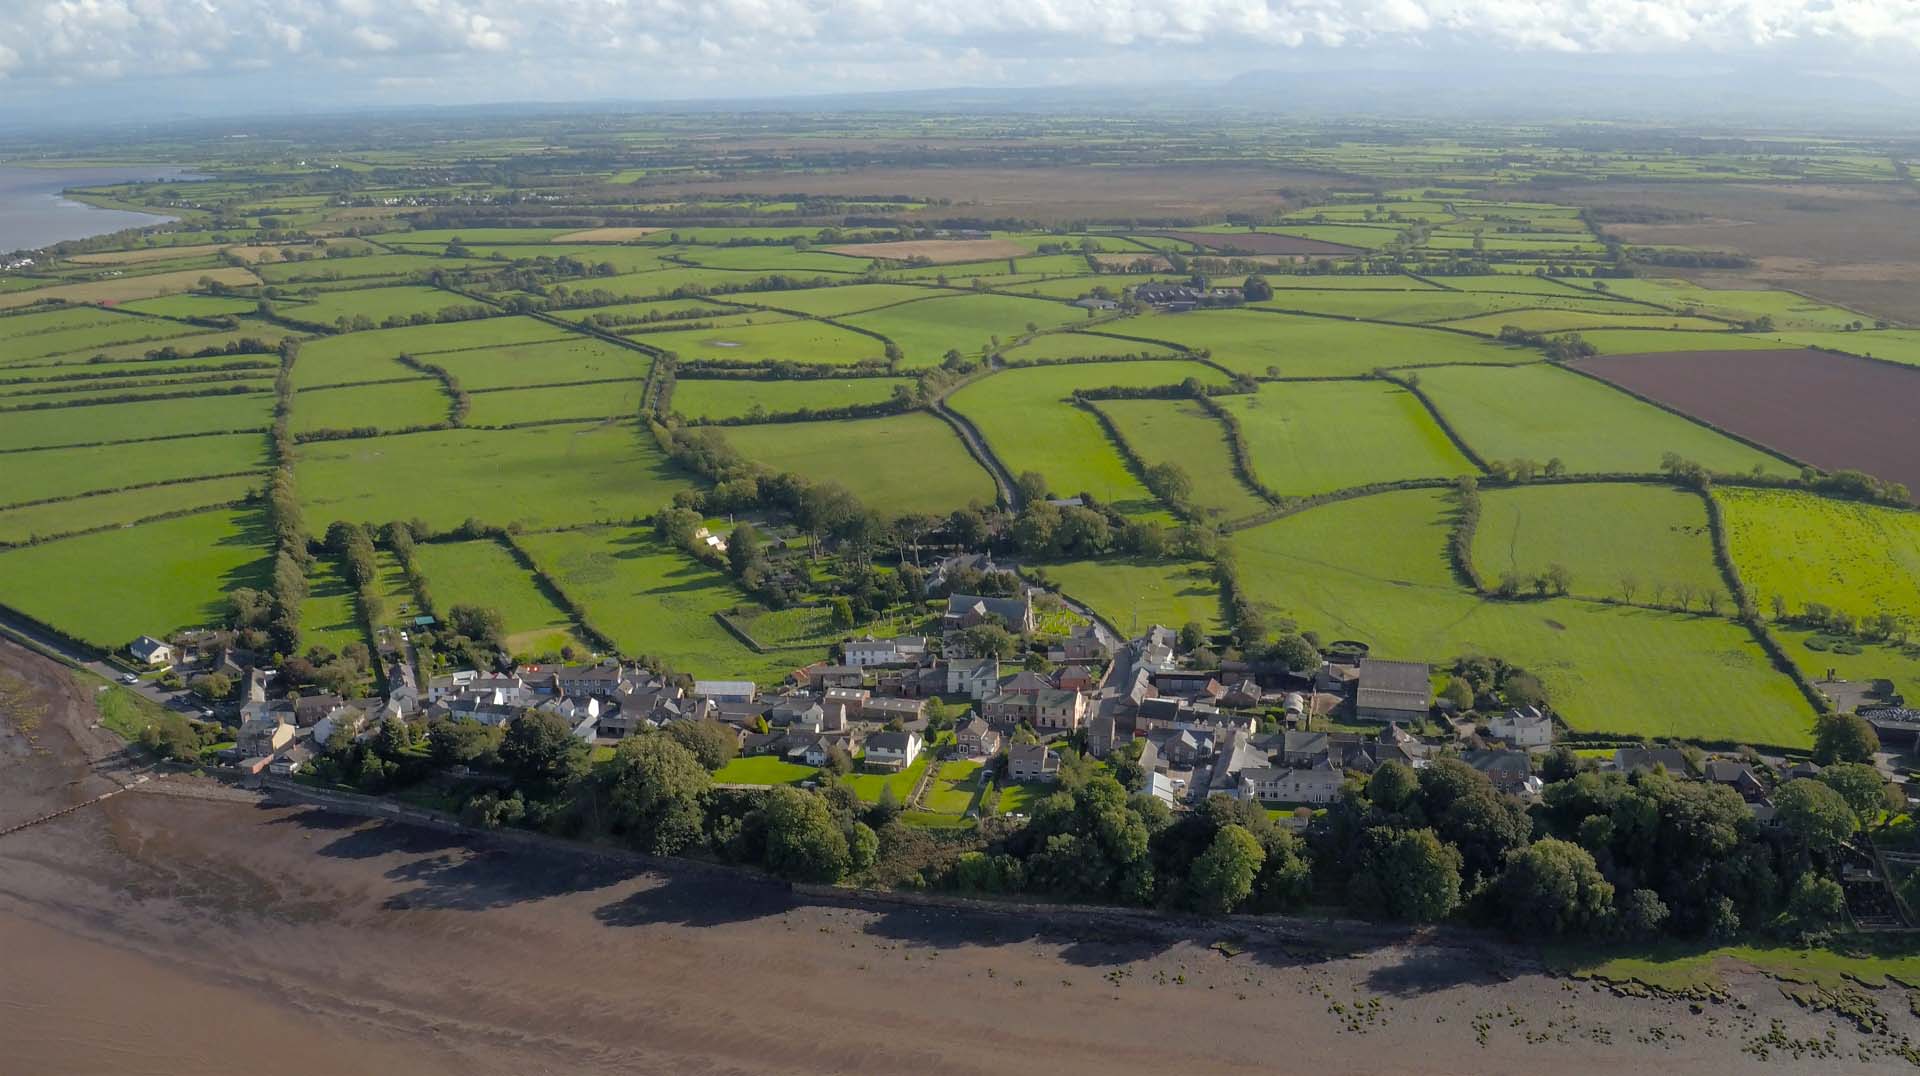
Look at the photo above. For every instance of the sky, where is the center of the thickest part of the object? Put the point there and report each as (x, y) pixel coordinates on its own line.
(138, 57)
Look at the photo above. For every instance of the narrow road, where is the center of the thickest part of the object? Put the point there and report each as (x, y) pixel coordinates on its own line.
(84, 659)
(977, 448)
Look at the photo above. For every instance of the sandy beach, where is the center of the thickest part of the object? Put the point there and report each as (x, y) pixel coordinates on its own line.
(157, 933)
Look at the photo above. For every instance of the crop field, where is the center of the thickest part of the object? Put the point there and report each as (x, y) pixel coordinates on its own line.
(112, 586)
(1029, 426)
(65, 472)
(330, 616)
(539, 476)
(553, 362)
(1542, 413)
(604, 235)
(1251, 341)
(1261, 243)
(749, 260)
(653, 600)
(124, 288)
(88, 424)
(794, 340)
(926, 330)
(368, 356)
(739, 397)
(835, 301)
(69, 394)
(1830, 410)
(485, 573)
(1312, 437)
(41, 521)
(1183, 433)
(1608, 668)
(398, 406)
(1857, 558)
(1133, 593)
(897, 464)
(1612, 538)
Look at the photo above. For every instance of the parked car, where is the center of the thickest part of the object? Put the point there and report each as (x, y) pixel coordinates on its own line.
(129, 679)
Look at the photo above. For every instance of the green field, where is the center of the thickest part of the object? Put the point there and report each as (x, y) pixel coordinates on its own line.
(1079, 345)
(956, 786)
(485, 573)
(378, 304)
(110, 587)
(868, 786)
(1415, 307)
(1788, 310)
(192, 306)
(1029, 426)
(897, 464)
(540, 476)
(653, 601)
(1606, 535)
(1185, 434)
(1857, 558)
(59, 426)
(1656, 341)
(619, 399)
(1312, 437)
(1563, 321)
(763, 770)
(330, 616)
(738, 397)
(835, 301)
(1609, 668)
(24, 336)
(368, 356)
(926, 330)
(1542, 412)
(19, 525)
(398, 406)
(792, 340)
(1250, 341)
(1893, 345)
(575, 358)
(661, 307)
(1133, 594)
(64, 472)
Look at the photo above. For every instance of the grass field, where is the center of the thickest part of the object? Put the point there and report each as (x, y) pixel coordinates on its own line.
(1604, 534)
(793, 340)
(127, 288)
(1613, 669)
(60, 426)
(19, 525)
(832, 302)
(652, 600)
(1656, 341)
(1250, 341)
(738, 397)
(1313, 437)
(1563, 321)
(661, 307)
(1541, 412)
(1076, 345)
(956, 786)
(1893, 345)
(1856, 558)
(577, 358)
(368, 356)
(1416, 307)
(485, 573)
(1137, 594)
(111, 586)
(1788, 310)
(377, 303)
(1019, 798)
(927, 329)
(1026, 421)
(1183, 433)
(330, 616)
(868, 786)
(897, 464)
(540, 476)
(24, 337)
(763, 770)
(618, 399)
(403, 404)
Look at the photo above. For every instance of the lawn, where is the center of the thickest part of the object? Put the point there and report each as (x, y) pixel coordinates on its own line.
(739, 397)
(1313, 437)
(956, 786)
(151, 579)
(540, 476)
(1613, 669)
(1134, 594)
(397, 406)
(653, 601)
(1019, 798)
(1183, 433)
(763, 770)
(485, 573)
(895, 465)
(19, 525)
(1604, 535)
(553, 362)
(368, 356)
(1029, 426)
(868, 786)
(64, 472)
(1251, 341)
(1542, 412)
(1857, 558)
(54, 427)
(501, 407)
(792, 340)
(330, 616)
(926, 330)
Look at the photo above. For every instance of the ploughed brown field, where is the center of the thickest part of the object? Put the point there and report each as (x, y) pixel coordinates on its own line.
(1261, 243)
(1833, 411)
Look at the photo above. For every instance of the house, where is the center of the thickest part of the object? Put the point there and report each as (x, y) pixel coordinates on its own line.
(1085, 644)
(580, 680)
(1523, 726)
(1092, 303)
(1026, 682)
(886, 710)
(439, 687)
(902, 650)
(148, 650)
(1160, 787)
(968, 610)
(1059, 711)
(263, 736)
(341, 721)
(978, 739)
(1030, 762)
(1244, 695)
(1635, 759)
(799, 713)
(1738, 776)
(1319, 783)
(1182, 749)
(1392, 691)
(1076, 678)
(976, 678)
(892, 751)
(294, 760)
(309, 709)
(851, 699)
(1510, 771)
(1103, 733)
(403, 690)
(726, 690)
(1231, 757)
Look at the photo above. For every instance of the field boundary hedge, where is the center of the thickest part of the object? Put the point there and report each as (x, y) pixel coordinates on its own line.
(1237, 448)
(458, 403)
(34, 388)
(1696, 420)
(266, 369)
(557, 594)
(136, 486)
(1412, 385)
(158, 517)
(1749, 612)
(107, 401)
(1135, 465)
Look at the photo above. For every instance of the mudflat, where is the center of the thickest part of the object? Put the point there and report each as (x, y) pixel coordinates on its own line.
(185, 928)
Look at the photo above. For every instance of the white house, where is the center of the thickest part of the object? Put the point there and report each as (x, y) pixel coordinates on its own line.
(892, 750)
(1523, 726)
(976, 678)
(1319, 783)
(148, 650)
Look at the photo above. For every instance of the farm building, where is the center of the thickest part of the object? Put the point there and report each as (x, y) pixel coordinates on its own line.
(1392, 691)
